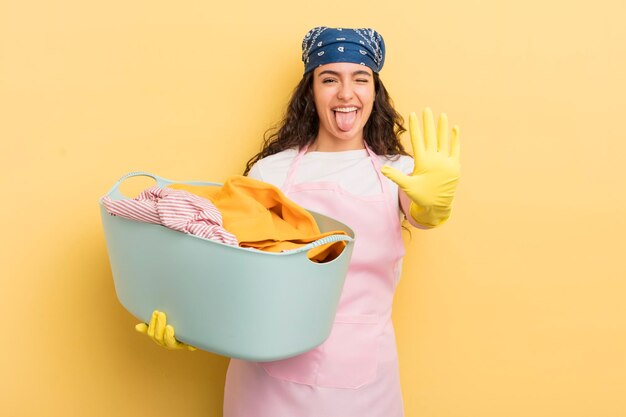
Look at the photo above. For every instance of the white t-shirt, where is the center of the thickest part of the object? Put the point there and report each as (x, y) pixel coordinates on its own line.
(351, 170)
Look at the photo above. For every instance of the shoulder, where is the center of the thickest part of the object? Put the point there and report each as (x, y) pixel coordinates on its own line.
(273, 166)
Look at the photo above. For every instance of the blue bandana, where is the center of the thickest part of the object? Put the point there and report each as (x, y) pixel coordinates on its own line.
(324, 45)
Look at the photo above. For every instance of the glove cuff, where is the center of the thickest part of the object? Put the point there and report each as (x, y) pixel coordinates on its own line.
(431, 217)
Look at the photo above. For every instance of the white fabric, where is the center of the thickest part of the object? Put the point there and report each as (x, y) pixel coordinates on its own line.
(352, 170)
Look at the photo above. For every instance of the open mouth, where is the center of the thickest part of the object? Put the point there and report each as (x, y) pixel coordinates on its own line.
(345, 117)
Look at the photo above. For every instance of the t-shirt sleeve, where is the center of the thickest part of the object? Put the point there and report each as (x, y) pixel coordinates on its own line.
(255, 172)
(404, 164)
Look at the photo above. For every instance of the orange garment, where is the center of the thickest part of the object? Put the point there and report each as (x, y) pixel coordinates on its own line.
(262, 217)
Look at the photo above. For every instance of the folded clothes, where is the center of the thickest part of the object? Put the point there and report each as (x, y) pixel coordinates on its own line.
(176, 209)
(262, 217)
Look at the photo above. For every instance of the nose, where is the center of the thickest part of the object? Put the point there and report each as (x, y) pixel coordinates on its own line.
(345, 91)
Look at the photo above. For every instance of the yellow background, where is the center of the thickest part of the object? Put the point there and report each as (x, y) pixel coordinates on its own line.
(514, 308)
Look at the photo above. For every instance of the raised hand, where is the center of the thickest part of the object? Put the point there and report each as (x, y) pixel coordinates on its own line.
(432, 184)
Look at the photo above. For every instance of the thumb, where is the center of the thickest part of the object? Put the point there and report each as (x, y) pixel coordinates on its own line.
(142, 328)
(395, 175)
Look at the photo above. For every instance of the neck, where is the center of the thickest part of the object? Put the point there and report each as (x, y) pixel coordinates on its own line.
(326, 144)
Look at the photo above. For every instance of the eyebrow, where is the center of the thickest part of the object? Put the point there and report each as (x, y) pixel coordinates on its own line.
(359, 72)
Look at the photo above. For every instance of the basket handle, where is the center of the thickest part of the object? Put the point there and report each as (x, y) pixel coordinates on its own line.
(115, 194)
(319, 242)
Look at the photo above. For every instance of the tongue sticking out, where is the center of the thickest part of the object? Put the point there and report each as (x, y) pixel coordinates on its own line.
(345, 121)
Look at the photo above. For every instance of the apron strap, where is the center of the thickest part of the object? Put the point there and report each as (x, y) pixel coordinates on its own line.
(377, 167)
(291, 173)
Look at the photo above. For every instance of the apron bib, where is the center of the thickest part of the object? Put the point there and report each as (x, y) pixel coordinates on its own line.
(349, 357)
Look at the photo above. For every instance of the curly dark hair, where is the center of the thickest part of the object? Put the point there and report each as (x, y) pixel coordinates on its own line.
(300, 124)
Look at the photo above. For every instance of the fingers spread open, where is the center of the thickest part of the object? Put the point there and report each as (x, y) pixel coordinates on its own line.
(430, 138)
(455, 144)
(443, 142)
(417, 142)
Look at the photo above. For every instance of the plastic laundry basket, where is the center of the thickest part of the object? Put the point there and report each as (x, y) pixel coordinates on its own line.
(233, 301)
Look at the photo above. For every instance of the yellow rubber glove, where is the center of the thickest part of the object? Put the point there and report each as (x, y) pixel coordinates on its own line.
(162, 333)
(432, 184)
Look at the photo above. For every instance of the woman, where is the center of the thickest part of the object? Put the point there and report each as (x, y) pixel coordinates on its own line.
(339, 136)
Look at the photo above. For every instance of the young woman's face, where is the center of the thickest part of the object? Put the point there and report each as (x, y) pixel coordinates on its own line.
(344, 97)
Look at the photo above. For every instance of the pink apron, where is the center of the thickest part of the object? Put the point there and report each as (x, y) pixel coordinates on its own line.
(362, 336)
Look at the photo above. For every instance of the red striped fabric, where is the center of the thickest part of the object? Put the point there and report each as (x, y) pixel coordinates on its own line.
(176, 209)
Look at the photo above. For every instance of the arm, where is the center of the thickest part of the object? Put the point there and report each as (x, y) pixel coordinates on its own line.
(405, 204)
